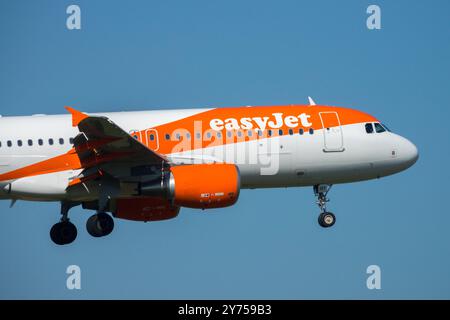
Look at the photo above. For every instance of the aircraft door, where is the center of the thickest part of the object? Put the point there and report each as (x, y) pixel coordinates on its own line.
(332, 132)
(152, 139)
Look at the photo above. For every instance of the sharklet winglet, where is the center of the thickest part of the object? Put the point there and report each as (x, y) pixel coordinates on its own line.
(311, 101)
(77, 116)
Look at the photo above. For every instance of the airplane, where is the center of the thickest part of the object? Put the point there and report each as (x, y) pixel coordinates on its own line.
(147, 165)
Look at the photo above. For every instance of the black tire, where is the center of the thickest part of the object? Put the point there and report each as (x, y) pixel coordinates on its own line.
(100, 225)
(63, 233)
(327, 219)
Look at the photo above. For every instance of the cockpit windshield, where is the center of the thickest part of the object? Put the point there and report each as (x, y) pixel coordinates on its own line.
(376, 127)
(379, 128)
(386, 127)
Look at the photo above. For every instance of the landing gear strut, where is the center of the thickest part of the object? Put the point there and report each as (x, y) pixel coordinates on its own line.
(64, 232)
(326, 219)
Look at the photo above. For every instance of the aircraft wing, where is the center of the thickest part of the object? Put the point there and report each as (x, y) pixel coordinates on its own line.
(101, 144)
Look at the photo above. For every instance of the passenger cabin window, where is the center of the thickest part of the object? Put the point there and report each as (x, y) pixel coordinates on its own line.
(71, 140)
(379, 128)
(9, 143)
(300, 131)
(30, 142)
(280, 132)
(61, 141)
(311, 131)
(40, 142)
(291, 132)
(19, 143)
(50, 141)
(369, 128)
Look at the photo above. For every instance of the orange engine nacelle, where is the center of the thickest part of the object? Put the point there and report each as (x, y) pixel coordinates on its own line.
(206, 185)
(145, 209)
(200, 186)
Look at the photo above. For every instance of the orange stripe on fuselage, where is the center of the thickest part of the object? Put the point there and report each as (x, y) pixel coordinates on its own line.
(257, 116)
(63, 162)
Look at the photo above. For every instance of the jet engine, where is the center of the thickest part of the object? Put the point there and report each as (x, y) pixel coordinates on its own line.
(201, 186)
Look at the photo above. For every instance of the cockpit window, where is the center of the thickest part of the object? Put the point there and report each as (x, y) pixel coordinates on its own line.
(369, 128)
(379, 128)
(384, 126)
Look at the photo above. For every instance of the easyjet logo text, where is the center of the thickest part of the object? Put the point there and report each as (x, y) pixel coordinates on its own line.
(275, 121)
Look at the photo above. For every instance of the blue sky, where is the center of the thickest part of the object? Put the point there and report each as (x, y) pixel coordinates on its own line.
(137, 55)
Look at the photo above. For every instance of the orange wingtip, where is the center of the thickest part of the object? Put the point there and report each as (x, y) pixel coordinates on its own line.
(77, 116)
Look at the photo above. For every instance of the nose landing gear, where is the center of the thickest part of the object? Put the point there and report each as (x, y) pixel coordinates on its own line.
(326, 219)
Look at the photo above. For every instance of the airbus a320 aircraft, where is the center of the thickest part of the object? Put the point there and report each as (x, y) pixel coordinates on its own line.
(147, 165)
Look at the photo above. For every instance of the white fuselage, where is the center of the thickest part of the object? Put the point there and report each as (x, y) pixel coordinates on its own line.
(281, 161)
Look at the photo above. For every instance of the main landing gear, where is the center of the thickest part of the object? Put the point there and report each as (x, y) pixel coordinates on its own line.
(326, 219)
(100, 225)
(65, 232)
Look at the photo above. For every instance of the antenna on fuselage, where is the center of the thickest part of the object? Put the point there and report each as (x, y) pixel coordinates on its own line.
(13, 202)
(311, 101)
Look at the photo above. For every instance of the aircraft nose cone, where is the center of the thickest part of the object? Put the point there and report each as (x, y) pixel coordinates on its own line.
(409, 153)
